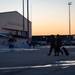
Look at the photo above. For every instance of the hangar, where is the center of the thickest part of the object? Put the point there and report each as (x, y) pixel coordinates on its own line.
(12, 22)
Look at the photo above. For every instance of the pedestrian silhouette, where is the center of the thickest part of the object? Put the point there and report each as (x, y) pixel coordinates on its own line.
(52, 45)
(58, 45)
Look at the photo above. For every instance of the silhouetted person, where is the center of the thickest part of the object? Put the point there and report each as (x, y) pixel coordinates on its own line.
(52, 47)
(32, 43)
(58, 45)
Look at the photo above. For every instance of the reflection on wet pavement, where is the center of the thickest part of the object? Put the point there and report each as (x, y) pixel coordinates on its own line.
(18, 50)
(58, 63)
(63, 64)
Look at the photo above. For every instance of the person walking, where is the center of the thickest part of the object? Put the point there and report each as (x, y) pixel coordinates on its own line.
(58, 45)
(52, 45)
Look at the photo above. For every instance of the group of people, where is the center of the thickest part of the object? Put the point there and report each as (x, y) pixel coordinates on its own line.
(55, 45)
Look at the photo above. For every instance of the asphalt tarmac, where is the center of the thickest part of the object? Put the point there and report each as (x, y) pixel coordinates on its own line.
(37, 62)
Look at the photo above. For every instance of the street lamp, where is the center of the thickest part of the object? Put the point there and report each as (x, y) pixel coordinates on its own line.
(70, 3)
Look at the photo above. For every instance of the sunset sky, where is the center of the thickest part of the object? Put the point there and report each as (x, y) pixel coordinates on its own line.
(47, 16)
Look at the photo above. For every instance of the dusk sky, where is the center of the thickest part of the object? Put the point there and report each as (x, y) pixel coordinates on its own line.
(47, 16)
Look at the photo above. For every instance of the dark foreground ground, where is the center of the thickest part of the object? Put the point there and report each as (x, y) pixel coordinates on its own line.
(37, 62)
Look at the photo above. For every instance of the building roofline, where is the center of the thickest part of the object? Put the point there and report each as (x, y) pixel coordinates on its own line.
(13, 12)
(7, 12)
(50, 35)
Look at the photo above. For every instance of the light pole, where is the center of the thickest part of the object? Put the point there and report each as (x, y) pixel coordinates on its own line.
(23, 17)
(28, 20)
(70, 3)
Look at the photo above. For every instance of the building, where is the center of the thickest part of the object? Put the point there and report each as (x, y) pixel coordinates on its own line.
(45, 39)
(12, 22)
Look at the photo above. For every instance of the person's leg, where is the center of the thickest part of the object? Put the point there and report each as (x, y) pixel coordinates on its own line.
(57, 51)
(50, 51)
(60, 51)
